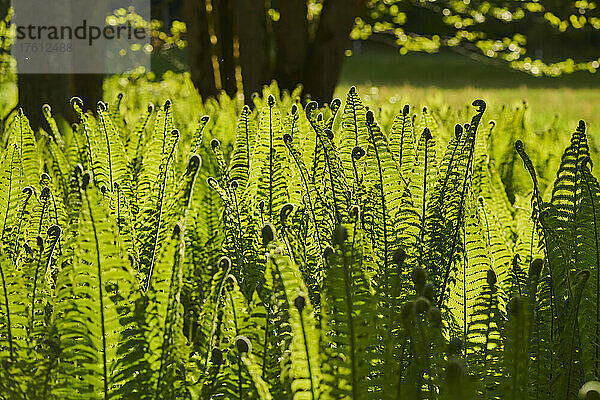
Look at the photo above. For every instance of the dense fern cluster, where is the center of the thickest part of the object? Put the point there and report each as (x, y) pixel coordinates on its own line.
(307, 254)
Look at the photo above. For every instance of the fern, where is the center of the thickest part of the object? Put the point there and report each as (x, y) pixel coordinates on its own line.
(284, 252)
(90, 300)
(347, 317)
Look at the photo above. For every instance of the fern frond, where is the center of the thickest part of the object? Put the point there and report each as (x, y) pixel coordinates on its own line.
(402, 143)
(304, 348)
(353, 132)
(91, 301)
(240, 158)
(347, 318)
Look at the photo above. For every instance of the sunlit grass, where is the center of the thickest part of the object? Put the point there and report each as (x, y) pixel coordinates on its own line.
(454, 80)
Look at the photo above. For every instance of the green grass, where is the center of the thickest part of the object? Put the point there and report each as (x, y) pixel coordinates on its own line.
(383, 76)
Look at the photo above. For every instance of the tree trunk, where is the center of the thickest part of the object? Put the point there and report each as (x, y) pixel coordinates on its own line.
(35, 90)
(38, 89)
(89, 88)
(327, 52)
(199, 49)
(4, 6)
(292, 43)
(225, 28)
(250, 21)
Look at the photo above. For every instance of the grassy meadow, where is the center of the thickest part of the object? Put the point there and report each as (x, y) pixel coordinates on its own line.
(451, 79)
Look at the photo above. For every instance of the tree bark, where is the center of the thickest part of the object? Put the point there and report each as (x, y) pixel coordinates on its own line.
(4, 6)
(35, 90)
(292, 43)
(250, 22)
(199, 48)
(89, 88)
(225, 28)
(331, 41)
(38, 89)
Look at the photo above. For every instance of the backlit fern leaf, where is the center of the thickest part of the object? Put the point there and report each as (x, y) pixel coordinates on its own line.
(470, 274)
(353, 132)
(499, 251)
(448, 207)
(240, 158)
(116, 156)
(402, 143)
(22, 134)
(587, 258)
(304, 347)
(11, 183)
(485, 342)
(347, 318)
(385, 187)
(269, 166)
(91, 302)
(328, 173)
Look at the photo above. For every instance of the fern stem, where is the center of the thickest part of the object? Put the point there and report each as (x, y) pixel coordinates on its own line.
(44, 205)
(426, 368)
(424, 188)
(166, 108)
(35, 280)
(574, 328)
(240, 386)
(404, 117)
(537, 345)
(355, 123)
(464, 287)
(516, 271)
(110, 171)
(119, 209)
(356, 180)
(271, 150)
(21, 135)
(174, 287)
(332, 182)
(548, 233)
(471, 135)
(89, 146)
(239, 218)
(47, 377)
(247, 132)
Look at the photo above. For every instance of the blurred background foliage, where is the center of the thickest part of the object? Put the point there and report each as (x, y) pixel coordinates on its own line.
(541, 37)
(544, 50)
